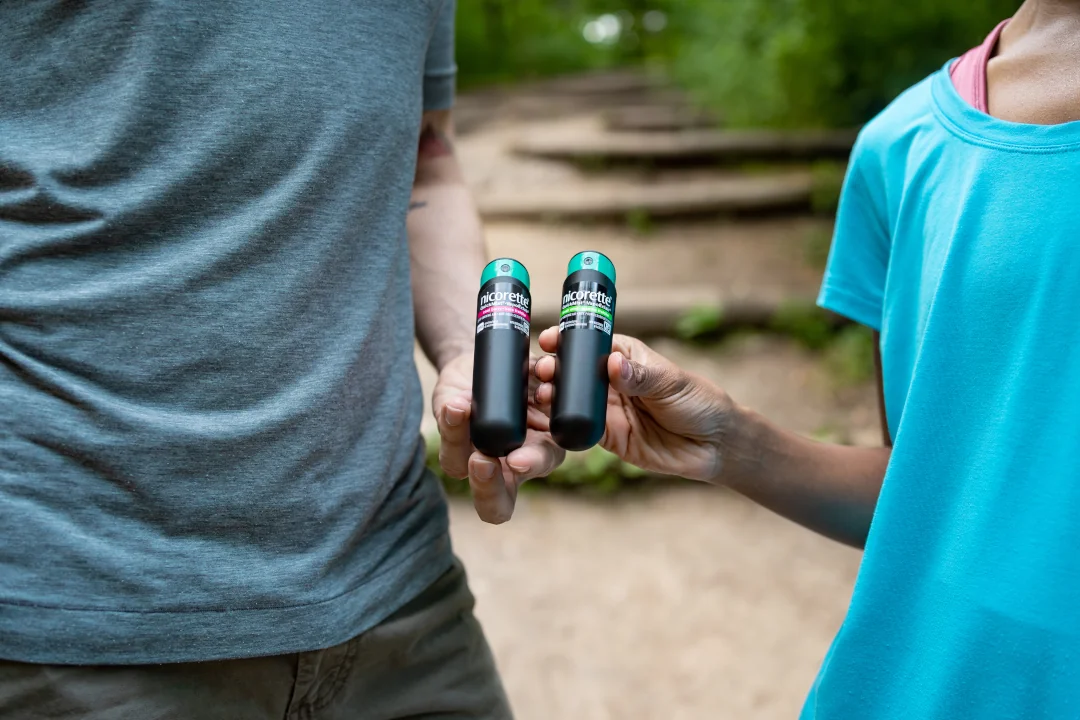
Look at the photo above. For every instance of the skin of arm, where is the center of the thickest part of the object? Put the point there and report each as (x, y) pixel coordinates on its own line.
(664, 419)
(447, 256)
(446, 245)
(831, 489)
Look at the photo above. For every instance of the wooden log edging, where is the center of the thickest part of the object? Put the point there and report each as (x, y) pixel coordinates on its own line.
(714, 145)
(748, 193)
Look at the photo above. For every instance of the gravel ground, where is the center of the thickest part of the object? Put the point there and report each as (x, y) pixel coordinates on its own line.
(686, 603)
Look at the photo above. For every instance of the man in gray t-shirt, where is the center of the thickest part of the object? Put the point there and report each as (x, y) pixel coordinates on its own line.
(222, 226)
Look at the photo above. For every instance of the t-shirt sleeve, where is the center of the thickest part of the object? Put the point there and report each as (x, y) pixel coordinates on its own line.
(854, 284)
(440, 70)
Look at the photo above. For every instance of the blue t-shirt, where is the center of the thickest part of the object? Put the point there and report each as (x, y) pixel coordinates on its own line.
(958, 237)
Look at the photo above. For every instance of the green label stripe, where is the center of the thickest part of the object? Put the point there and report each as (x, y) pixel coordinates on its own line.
(585, 309)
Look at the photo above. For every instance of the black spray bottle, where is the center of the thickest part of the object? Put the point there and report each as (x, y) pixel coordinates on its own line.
(501, 359)
(579, 407)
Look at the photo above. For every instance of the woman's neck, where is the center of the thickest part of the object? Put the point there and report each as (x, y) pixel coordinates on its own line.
(1034, 76)
(1044, 15)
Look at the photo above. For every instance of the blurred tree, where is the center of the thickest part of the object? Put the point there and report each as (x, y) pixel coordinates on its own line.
(817, 62)
(758, 62)
(502, 40)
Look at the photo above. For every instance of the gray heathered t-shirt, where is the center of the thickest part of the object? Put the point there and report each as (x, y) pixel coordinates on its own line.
(209, 410)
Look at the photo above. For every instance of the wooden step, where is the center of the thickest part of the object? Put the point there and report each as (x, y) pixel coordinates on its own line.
(561, 97)
(748, 269)
(657, 311)
(603, 199)
(604, 82)
(588, 141)
(475, 111)
(657, 118)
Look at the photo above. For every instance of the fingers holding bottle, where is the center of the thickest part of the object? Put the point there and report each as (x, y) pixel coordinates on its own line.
(659, 417)
(628, 366)
(495, 481)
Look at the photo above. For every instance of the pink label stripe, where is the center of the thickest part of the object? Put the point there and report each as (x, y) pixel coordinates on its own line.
(502, 309)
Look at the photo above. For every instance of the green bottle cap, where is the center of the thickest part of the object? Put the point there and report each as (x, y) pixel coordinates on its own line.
(505, 267)
(590, 260)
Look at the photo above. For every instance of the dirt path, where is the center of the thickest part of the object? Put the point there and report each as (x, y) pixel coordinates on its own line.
(681, 604)
(686, 604)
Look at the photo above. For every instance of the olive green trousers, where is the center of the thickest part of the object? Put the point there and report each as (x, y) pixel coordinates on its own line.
(428, 661)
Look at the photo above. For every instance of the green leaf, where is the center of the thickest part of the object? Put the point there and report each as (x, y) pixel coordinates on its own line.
(699, 322)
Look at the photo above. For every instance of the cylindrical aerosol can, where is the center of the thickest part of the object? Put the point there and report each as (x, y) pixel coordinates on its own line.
(500, 392)
(579, 406)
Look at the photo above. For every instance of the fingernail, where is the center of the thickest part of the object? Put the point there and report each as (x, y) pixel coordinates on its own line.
(625, 370)
(454, 416)
(519, 469)
(485, 470)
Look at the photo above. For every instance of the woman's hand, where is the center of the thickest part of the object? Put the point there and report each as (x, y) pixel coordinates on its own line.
(659, 417)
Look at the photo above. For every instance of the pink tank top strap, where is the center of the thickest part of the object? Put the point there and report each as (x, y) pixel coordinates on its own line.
(968, 73)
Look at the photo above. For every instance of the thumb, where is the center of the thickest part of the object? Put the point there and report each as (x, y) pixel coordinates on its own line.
(651, 382)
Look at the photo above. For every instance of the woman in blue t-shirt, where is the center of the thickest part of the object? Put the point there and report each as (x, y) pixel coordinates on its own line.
(958, 242)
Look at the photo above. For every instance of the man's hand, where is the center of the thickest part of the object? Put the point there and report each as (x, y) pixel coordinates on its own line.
(494, 482)
(447, 257)
(659, 417)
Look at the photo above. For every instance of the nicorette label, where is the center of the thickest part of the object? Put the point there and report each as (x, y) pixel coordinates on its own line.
(503, 306)
(587, 305)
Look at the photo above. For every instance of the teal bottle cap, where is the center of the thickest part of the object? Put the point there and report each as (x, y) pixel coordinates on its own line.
(590, 260)
(505, 267)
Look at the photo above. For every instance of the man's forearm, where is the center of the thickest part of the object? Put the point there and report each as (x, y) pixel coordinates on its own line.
(447, 251)
(831, 489)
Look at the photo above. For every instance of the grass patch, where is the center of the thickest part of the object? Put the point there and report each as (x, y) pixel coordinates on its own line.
(828, 433)
(807, 324)
(827, 182)
(595, 471)
(640, 222)
(849, 358)
(699, 323)
(847, 350)
(593, 164)
(816, 245)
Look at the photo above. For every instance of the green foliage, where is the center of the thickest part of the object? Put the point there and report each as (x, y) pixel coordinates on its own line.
(754, 62)
(828, 433)
(501, 40)
(828, 181)
(595, 164)
(806, 323)
(700, 322)
(850, 356)
(816, 245)
(639, 221)
(595, 471)
(817, 62)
